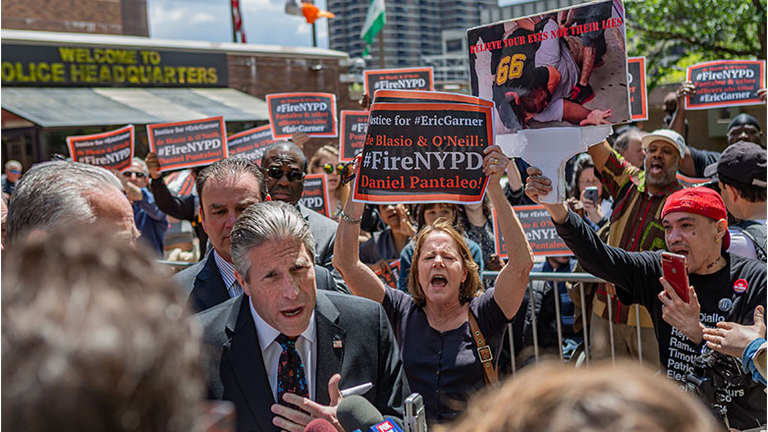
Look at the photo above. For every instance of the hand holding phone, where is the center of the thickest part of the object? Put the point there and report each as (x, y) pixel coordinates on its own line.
(591, 193)
(674, 271)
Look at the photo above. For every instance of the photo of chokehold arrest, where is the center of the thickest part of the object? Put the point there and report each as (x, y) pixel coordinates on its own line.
(561, 68)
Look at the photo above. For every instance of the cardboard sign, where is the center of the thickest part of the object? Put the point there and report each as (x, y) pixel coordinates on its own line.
(398, 79)
(354, 126)
(315, 195)
(250, 144)
(424, 152)
(691, 181)
(725, 83)
(112, 150)
(638, 93)
(311, 113)
(188, 144)
(539, 230)
(390, 278)
(529, 67)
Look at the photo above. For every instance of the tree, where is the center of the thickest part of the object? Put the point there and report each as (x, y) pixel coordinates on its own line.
(675, 34)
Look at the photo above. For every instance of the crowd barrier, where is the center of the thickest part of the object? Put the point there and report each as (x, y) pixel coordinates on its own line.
(578, 279)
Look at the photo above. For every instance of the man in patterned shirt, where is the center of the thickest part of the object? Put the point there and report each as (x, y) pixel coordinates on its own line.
(635, 226)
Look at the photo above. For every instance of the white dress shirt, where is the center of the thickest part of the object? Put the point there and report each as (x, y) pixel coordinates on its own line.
(271, 350)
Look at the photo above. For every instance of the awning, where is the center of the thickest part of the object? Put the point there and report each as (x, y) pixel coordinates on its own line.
(61, 107)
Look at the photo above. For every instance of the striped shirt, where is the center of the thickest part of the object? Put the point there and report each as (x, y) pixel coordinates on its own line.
(635, 224)
(227, 271)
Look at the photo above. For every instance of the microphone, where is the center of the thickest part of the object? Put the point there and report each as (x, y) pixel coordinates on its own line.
(319, 425)
(355, 413)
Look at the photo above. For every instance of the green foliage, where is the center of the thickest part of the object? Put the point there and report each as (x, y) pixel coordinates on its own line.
(675, 34)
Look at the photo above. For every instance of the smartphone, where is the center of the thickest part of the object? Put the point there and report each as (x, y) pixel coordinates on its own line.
(590, 193)
(415, 416)
(673, 270)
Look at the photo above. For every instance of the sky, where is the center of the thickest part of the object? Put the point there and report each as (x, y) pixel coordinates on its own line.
(265, 22)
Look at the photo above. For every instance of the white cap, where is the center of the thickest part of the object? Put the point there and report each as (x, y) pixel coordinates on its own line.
(666, 135)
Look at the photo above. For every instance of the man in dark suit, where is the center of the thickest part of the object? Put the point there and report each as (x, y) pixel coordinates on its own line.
(286, 342)
(225, 189)
(285, 166)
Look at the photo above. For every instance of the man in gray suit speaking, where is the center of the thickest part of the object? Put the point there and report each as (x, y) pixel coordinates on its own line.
(281, 352)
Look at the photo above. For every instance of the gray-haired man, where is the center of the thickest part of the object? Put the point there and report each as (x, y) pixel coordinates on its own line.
(285, 344)
(61, 194)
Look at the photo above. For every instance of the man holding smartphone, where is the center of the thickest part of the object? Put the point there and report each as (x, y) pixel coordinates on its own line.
(727, 287)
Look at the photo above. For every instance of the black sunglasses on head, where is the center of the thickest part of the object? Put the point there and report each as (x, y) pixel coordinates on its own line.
(276, 173)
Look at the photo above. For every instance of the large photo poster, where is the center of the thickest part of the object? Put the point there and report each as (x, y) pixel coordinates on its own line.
(560, 68)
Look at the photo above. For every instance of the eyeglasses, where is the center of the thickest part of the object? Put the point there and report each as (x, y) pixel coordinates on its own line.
(328, 168)
(128, 174)
(276, 173)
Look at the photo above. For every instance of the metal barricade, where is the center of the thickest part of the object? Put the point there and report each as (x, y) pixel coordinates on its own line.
(562, 277)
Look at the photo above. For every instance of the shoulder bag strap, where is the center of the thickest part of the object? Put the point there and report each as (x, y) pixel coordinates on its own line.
(484, 351)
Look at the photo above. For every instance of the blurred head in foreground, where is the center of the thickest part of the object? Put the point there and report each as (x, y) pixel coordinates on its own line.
(95, 338)
(600, 398)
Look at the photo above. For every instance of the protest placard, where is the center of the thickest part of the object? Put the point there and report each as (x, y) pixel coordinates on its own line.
(531, 66)
(398, 79)
(354, 126)
(250, 144)
(311, 113)
(112, 150)
(391, 277)
(691, 181)
(188, 144)
(416, 96)
(315, 195)
(539, 230)
(638, 93)
(725, 83)
(424, 152)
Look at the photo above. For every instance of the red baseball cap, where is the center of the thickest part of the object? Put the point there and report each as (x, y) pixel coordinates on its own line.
(698, 200)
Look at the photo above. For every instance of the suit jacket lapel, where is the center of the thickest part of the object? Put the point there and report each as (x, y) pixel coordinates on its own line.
(209, 286)
(330, 346)
(244, 356)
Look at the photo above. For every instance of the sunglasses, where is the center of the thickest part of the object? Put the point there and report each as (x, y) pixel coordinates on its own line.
(15, 171)
(328, 168)
(128, 174)
(346, 173)
(276, 173)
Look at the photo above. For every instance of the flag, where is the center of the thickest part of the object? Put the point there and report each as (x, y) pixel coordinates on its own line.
(374, 22)
(237, 21)
(312, 13)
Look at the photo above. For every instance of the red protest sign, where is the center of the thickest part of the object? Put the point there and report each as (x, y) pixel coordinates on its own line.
(354, 126)
(539, 230)
(188, 144)
(691, 181)
(315, 195)
(250, 144)
(725, 83)
(390, 278)
(638, 93)
(398, 79)
(311, 113)
(112, 150)
(430, 152)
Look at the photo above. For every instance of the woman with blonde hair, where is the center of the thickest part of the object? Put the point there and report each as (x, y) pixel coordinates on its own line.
(326, 160)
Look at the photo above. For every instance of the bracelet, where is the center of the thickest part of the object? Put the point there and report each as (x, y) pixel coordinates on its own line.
(348, 219)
